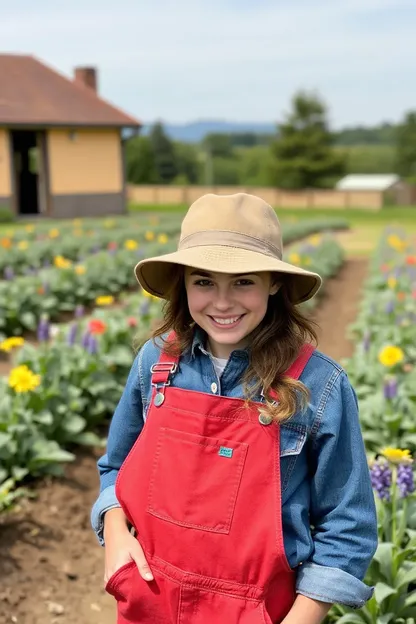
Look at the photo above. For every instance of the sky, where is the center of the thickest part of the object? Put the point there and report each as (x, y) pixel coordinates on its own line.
(235, 60)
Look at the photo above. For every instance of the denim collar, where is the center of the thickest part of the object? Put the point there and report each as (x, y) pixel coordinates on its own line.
(199, 342)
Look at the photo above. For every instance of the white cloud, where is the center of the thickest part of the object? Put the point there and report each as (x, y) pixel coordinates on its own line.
(193, 59)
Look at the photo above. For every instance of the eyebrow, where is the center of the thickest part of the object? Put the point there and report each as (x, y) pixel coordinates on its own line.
(206, 274)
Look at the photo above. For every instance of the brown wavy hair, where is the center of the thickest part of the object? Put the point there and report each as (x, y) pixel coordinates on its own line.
(274, 345)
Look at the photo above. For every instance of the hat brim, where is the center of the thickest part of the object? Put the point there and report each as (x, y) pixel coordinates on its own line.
(155, 274)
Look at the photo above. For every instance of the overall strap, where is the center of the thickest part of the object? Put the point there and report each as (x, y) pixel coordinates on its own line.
(298, 366)
(165, 367)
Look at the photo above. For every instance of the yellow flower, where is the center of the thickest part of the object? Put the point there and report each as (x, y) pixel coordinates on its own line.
(392, 282)
(397, 456)
(77, 222)
(294, 258)
(390, 355)
(315, 240)
(22, 379)
(131, 244)
(80, 269)
(23, 244)
(149, 236)
(104, 300)
(29, 228)
(54, 233)
(396, 242)
(61, 263)
(11, 343)
(162, 238)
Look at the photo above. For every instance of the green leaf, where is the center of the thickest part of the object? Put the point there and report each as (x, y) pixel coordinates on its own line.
(410, 600)
(383, 591)
(384, 557)
(351, 618)
(407, 577)
(385, 619)
(28, 320)
(74, 424)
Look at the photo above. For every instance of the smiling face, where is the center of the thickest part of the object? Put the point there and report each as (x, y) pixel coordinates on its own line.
(228, 307)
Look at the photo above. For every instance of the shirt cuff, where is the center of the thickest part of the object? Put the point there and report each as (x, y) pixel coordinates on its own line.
(107, 500)
(332, 585)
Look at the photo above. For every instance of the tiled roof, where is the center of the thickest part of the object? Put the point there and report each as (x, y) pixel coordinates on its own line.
(33, 94)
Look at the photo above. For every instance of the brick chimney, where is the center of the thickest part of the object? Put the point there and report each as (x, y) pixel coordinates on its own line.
(86, 76)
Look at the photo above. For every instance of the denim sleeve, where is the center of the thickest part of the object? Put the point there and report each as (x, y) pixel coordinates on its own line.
(342, 512)
(125, 427)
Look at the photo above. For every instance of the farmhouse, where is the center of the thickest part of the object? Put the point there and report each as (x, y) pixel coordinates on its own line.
(61, 147)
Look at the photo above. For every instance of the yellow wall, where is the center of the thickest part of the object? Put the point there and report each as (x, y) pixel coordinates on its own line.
(85, 161)
(5, 178)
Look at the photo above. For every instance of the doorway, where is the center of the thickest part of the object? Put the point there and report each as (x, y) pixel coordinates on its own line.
(30, 172)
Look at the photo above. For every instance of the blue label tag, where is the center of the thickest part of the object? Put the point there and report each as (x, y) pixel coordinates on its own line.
(225, 451)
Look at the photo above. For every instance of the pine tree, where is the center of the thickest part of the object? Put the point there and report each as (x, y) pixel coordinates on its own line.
(303, 156)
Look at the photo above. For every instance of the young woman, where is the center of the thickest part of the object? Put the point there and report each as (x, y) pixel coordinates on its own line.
(235, 452)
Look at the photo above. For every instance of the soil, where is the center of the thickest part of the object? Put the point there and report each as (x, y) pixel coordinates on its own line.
(51, 566)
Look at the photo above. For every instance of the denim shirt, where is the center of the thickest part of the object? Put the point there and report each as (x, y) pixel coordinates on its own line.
(328, 509)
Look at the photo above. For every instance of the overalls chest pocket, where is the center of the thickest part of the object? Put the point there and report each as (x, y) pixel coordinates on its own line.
(292, 440)
(189, 470)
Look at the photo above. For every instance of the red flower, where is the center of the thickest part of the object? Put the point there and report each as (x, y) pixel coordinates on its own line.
(112, 245)
(132, 321)
(411, 260)
(96, 326)
(401, 296)
(384, 267)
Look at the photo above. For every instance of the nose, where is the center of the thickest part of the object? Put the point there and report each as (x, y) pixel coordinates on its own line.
(223, 300)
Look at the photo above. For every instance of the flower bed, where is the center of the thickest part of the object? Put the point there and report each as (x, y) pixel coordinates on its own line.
(60, 392)
(382, 371)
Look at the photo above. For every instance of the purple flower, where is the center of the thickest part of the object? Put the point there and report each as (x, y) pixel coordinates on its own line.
(79, 311)
(46, 287)
(43, 330)
(144, 307)
(92, 345)
(366, 340)
(72, 334)
(381, 477)
(8, 273)
(390, 388)
(405, 479)
(86, 339)
(390, 305)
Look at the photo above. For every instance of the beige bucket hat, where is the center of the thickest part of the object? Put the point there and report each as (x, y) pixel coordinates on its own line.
(227, 234)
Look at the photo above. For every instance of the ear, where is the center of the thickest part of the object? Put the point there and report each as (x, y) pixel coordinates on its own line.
(275, 287)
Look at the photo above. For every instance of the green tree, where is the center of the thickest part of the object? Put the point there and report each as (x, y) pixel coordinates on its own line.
(218, 144)
(187, 163)
(303, 151)
(140, 161)
(164, 154)
(406, 146)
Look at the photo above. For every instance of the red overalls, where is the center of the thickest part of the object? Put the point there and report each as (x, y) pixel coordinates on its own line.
(201, 486)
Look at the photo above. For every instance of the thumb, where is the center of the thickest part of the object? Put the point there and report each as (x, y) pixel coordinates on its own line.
(137, 555)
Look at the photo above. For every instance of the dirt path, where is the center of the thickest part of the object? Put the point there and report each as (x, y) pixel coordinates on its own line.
(51, 567)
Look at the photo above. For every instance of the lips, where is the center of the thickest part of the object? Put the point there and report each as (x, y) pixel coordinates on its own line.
(226, 322)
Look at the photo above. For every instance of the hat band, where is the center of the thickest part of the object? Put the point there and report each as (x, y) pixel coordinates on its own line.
(228, 238)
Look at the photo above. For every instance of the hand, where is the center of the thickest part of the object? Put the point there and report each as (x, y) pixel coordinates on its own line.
(121, 547)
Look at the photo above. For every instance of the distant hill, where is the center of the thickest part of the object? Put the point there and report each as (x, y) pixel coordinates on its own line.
(194, 132)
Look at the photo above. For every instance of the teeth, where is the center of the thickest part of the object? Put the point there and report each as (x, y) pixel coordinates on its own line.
(226, 321)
